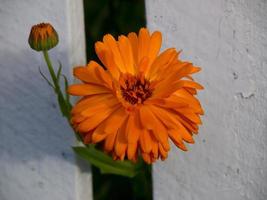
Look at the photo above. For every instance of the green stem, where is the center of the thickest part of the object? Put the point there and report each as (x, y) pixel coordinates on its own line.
(51, 69)
(63, 103)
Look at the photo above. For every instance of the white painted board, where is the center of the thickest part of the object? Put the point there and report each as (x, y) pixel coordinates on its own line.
(228, 39)
(36, 160)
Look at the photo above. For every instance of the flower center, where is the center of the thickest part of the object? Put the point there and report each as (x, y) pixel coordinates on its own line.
(135, 89)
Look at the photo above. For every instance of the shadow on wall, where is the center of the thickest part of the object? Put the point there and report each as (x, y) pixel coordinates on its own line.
(33, 133)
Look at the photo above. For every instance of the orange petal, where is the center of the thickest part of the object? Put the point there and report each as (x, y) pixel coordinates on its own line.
(187, 123)
(102, 74)
(100, 50)
(189, 84)
(111, 43)
(99, 135)
(106, 57)
(150, 122)
(147, 158)
(143, 65)
(133, 131)
(109, 142)
(167, 103)
(167, 89)
(155, 148)
(121, 141)
(165, 117)
(88, 101)
(77, 118)
(134, 43)
(189, 114)
(154, 47)
(143, 43)
(133, 128)
(184, 96)
(92, 122)
(112, 67)
(161, 62)
(192, 91)
(131, 151)
(115, 121)
(145, 141)
(91, 110)
(87, 89)
(163, 153)
(177, 139)
(126, 54)
(93, 73)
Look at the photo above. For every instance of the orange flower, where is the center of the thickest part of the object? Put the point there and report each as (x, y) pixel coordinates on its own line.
(43, 37)
(140, 101)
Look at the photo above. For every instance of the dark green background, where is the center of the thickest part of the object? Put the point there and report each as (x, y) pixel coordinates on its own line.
(115, 17)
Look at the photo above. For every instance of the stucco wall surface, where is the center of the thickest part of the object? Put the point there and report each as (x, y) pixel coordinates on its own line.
(36, 160)
(228, 39)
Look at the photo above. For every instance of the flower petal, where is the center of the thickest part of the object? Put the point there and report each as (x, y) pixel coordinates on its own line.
(93, 73)
(111, 43)
(147, 158)
(106, 57)
(145, 141)
(126, 54)
(154, 47)
(121, 141)
(177, 139)
(91, 100)
(185, 96)
(134, 43)
(150, 122)
(87, 89)
(161, 63)
(166, 90)
(143, 43)
(92, 122)
(92, 109)
(163, 153)
(110, 141)
(131, 151)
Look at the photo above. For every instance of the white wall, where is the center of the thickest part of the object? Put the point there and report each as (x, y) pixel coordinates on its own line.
(228, 38)
(36, 160)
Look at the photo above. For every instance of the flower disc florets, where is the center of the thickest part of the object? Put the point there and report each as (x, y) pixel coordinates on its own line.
(135, 89)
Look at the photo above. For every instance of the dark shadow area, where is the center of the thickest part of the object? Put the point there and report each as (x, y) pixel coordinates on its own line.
(116, 17)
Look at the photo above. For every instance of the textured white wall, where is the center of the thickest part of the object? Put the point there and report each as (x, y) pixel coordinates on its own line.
(36, 160)
(228, 38)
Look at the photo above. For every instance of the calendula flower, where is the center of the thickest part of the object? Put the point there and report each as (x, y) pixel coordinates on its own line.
(140, 102)
(43, 37)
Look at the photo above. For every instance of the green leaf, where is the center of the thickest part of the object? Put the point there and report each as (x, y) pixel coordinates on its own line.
(44, 77)
(67, 96)
(59, 71)
(106, 164)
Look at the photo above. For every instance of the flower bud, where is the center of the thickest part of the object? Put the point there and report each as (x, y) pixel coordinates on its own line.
(43, 37)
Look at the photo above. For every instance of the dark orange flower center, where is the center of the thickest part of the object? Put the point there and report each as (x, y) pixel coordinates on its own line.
(135, 89)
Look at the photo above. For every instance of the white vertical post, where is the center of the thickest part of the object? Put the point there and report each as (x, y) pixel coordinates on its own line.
(36, 160)
(228, 39)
